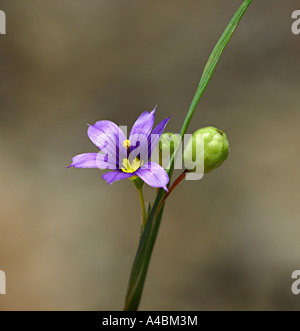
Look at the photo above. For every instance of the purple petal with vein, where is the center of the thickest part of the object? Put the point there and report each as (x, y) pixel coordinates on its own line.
(92, 160)
(114, 176)
(144, 124)
(107, 135)
(155, 135)
(153, 175)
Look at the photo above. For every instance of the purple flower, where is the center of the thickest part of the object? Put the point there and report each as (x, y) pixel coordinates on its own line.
(127, 158)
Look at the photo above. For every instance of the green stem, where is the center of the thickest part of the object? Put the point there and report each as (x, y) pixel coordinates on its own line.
(144, 215)
(134, 293)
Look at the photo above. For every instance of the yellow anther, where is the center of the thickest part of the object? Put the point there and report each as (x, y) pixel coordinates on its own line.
(126, 143)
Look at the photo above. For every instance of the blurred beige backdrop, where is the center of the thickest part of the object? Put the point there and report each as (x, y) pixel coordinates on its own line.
(67, 240)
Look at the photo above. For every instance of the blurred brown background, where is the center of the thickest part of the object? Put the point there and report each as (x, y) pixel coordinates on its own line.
(67, 240)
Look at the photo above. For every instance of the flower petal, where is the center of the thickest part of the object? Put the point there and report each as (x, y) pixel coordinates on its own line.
(153, 175)
(155, 135)
(144, 124)
(107, 135)
(114, 176)
(92, 160)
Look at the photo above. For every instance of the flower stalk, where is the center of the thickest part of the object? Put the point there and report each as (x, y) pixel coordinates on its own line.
(144, 215)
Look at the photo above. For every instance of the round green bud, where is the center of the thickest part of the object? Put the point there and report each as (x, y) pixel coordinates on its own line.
(216, 148)
(168, 142)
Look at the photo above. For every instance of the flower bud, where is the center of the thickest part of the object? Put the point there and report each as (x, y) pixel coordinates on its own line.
(215, 145)
(168, 143)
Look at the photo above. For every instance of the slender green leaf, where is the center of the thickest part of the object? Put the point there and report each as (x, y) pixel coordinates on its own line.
(133, 297)
(209, 70)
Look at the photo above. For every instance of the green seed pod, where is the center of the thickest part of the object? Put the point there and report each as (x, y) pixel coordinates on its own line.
(216, 148)
(168, 142)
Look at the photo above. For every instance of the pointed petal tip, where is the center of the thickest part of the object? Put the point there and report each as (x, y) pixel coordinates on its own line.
(143, 125)
(165, 188)
(154, 109)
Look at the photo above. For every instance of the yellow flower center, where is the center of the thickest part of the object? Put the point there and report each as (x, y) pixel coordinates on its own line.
(131, 167)
(126, 143)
